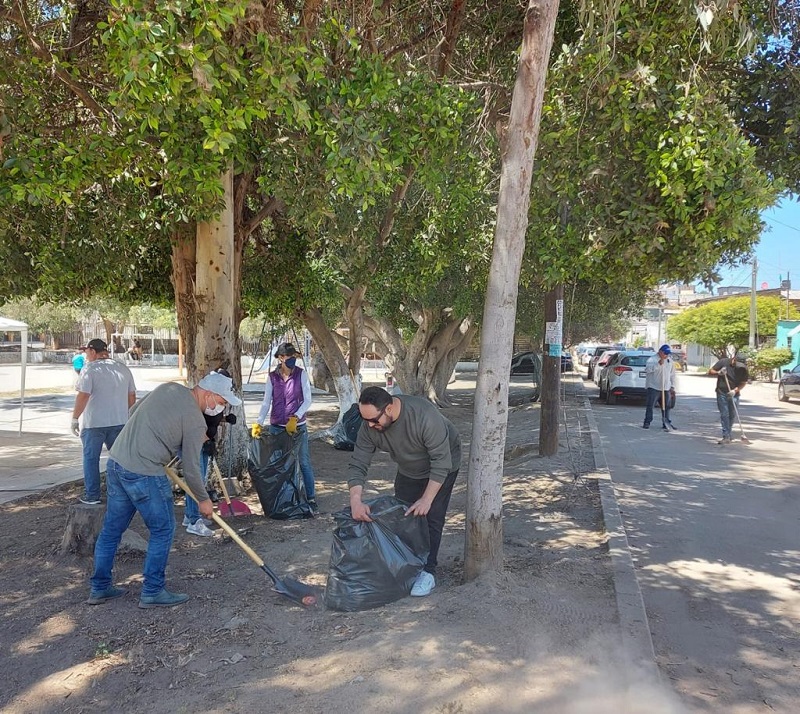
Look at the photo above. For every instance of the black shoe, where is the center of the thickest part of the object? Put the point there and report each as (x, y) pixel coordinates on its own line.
(673, 427)
(665, 428)
(314, 507)
(645, 426)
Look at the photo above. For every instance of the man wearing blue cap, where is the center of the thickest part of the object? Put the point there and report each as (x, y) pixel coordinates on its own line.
(660, 383)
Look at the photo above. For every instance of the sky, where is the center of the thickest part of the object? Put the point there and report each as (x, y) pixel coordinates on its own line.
(778, 250)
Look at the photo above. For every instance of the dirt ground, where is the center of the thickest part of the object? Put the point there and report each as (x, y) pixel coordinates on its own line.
(540, 637)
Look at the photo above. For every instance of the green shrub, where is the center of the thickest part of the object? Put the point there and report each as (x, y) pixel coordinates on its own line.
(764, 362)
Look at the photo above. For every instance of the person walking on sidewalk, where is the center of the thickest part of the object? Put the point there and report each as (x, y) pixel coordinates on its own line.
(106, 392)
(426, 447)
(169, 420)
(660, 382)
(732, 377)
(287, 399)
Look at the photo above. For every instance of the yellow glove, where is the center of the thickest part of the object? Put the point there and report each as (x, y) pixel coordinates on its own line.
(255, 431)
(291, 426)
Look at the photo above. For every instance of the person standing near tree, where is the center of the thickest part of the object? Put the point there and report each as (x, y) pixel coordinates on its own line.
(106, 392)
(287, 399)
(732, 377)
(426, 447)
(169, 420)
(660, 382)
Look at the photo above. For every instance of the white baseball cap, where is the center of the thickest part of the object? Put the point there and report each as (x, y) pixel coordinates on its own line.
(221, 385)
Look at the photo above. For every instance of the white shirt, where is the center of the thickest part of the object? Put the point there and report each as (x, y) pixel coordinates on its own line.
(660, 376)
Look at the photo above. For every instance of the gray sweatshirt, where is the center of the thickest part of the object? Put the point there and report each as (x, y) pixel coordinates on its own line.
(164, 421)
(422, 442)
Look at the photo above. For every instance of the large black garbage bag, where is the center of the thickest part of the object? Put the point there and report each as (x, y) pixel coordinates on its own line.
(273, 468)
(347, 429)
(376, 563)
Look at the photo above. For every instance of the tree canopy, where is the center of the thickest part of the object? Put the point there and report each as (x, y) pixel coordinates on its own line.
(718, 324)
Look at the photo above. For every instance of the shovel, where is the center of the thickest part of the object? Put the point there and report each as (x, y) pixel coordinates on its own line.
(288, 587)
(232, 506)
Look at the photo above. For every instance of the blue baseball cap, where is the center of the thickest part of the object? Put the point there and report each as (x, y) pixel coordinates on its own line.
(665, 349)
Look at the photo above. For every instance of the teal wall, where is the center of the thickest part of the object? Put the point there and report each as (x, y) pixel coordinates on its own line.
(783, 340)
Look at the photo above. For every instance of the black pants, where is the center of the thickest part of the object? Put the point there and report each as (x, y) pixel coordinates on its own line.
(410, 490)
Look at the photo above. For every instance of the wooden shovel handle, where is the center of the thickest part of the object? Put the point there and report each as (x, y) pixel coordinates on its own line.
(222, 485)
(173, 476)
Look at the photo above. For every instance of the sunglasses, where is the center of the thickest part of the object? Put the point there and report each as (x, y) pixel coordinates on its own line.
(377, 419)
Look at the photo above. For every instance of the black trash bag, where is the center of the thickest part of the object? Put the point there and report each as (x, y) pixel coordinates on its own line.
(347, 430)
(275, 473)
(376, 563)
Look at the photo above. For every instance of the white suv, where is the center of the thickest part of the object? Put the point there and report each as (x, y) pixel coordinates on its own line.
(624, 376)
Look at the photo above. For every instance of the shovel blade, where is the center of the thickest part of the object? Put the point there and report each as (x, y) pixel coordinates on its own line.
(234, 508)
(296, 591)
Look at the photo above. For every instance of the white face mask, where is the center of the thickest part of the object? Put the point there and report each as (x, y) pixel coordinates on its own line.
(213, 411)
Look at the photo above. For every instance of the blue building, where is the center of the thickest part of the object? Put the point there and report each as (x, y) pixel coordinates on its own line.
(788, 335)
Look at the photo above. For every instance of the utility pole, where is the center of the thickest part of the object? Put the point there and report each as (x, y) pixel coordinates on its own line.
(752, 342)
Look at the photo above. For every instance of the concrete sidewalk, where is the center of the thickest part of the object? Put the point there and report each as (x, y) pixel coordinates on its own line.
(47, 454)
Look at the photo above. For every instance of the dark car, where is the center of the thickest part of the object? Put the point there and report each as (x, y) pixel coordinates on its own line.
(526, 363)
(598, 351)
(789, 386)
(566, 362)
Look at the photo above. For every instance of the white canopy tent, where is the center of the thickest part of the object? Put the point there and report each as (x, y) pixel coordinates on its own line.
(7, 325)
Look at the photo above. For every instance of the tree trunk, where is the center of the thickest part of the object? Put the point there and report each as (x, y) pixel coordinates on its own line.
(206, 278)
(551, 371)
(83, 526)
(326, 343)
(354, 316)
(437, 384)
(484, 530)
(214, 293)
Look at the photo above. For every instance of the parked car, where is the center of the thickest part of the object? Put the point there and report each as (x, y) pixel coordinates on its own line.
(526, 363)
(679, 358)
(789, 386)
(594, 356)
(601, 363)
(567, 364)
(624, 376)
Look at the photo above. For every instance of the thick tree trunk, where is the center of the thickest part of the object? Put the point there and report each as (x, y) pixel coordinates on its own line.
(551, 371)
(206, 277)
(484, 529)
(214, 293)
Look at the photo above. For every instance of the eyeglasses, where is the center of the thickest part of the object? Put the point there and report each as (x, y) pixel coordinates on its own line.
(377, 419)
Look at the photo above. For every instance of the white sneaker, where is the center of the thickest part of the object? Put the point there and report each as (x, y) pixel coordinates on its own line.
(423, 585)
(187, 522)
(200, 529)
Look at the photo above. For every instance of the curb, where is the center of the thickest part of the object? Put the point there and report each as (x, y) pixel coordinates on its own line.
(635, 630)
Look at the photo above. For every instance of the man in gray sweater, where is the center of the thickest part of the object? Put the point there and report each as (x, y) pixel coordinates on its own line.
(427, 450)
(168, 420)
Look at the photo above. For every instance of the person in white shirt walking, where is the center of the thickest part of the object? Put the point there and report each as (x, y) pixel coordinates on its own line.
(660, 383)
(106, 392)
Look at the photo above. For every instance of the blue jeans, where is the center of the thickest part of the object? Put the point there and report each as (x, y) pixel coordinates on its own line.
(653, 398)
(192, 511)
(93, 440)
(727, 414)
(303, 456)
(151, 496)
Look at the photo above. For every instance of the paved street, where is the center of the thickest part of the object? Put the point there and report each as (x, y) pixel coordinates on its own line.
(714, 534)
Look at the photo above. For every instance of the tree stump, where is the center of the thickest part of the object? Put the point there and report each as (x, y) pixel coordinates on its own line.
(83, 526)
